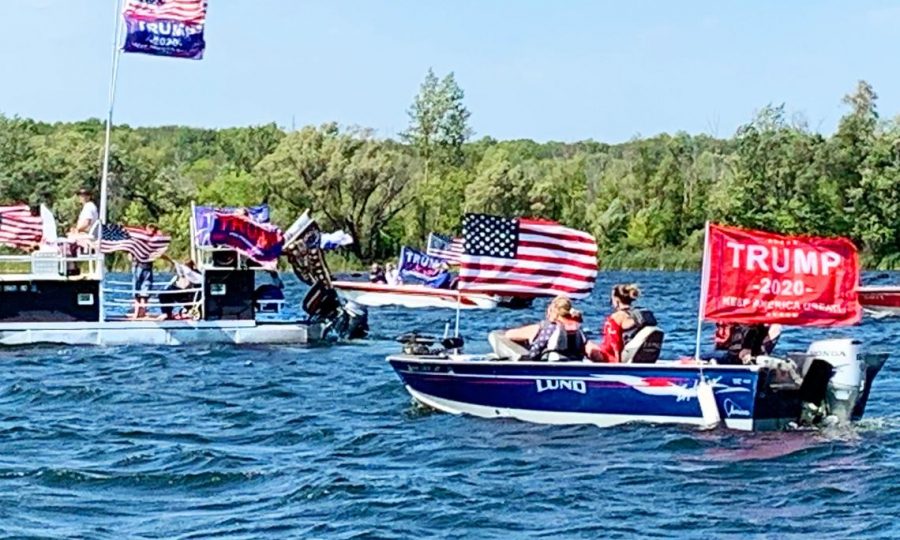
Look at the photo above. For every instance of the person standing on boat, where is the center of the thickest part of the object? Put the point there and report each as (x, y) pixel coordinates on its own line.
(559, 332)
(142, 274)
(620, 326)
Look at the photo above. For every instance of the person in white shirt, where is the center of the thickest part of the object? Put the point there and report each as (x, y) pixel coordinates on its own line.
(89, 214)
(392, 275)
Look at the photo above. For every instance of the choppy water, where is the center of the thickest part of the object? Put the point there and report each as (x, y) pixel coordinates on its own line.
(293, 442)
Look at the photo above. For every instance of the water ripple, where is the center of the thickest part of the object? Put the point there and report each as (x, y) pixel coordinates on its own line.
(324, 442)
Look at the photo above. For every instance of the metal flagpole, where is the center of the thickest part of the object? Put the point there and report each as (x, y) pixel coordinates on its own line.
(109, 114)
(704, 285)
(114, 75)
(706, 397)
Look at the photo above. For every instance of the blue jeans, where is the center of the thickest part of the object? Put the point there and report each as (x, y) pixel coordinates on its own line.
(142, 274)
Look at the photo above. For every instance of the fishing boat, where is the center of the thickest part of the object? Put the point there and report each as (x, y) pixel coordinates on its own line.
(828, 383)
(880, 300)
(412, 296)
(49, 296)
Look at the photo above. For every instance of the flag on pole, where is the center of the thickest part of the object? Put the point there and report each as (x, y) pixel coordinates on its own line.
(760, 277)
(165, 27)
(142, 244)
(444, 247)
(19, 228)
(527, 257)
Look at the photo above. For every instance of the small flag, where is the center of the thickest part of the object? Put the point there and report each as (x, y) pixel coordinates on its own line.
(19, 228)
(142, 244)
(444, 247)
(526, 257)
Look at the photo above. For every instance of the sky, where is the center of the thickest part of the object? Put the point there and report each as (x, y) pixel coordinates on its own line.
(561, 70)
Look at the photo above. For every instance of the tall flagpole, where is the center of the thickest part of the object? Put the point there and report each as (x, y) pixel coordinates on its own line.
(104, 195)
(116, 54)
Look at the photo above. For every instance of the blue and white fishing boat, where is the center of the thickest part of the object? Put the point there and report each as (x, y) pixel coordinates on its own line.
(830, 382)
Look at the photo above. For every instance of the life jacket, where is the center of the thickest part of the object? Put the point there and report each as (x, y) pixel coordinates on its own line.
(642, 318)
(736, 337)
(567, 341)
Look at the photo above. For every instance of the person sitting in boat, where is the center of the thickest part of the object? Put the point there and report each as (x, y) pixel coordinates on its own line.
(186, 277)
(622, 325)
(88, 215)
(444, 280)
(559, 333)
(376, 274)
(392, 275)
(743, 342)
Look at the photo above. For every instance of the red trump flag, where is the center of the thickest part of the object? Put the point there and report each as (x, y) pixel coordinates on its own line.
(760, 277)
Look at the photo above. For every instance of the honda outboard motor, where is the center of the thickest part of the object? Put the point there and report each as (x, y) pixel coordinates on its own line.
(848, 377)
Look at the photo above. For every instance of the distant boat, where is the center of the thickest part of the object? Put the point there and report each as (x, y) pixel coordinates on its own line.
(880, 300)
(412, 296)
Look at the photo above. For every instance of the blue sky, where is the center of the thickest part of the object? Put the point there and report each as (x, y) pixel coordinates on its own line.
(548, 70)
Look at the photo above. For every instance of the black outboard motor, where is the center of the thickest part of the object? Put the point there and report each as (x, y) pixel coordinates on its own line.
(348, 320)
(353, 321)
(302, 248)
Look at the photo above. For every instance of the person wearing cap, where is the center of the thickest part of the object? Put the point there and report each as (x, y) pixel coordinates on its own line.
(89, 214)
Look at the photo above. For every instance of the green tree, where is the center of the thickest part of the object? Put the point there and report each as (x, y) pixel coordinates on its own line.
(358, 183)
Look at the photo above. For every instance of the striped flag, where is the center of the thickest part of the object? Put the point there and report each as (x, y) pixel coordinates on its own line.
(526, 257)
(444, 247)
(19, 228)
(186, 11)
(142, 244)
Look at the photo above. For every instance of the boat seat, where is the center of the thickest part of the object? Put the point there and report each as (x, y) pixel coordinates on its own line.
(644, 347)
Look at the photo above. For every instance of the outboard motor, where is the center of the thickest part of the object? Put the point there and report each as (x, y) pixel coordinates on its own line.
(848, 375)
(352, 322)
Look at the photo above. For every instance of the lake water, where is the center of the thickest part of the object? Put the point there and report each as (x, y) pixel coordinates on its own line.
(324, 442)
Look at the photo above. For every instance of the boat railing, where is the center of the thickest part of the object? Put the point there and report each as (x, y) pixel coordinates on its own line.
(122, 294)
(60, 260)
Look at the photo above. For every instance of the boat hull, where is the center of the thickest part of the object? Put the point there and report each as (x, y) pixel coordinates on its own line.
(599, 394)
(411, 296)
(883, 300)
(160, 333)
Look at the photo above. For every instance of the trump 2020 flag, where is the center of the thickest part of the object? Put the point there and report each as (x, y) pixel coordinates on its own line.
(258, 241)
(419, 266)
(165, 27)
(526, 257)
(759, 277)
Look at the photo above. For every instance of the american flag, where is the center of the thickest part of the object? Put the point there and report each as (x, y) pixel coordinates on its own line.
(186, 11)
(19, 228)
(140, 243)
(444, 247)
(526, 257)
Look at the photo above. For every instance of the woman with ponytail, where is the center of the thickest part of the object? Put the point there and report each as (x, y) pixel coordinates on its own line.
(621, 325)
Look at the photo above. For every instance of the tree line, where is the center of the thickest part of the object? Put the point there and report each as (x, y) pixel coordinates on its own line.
(646, 200)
